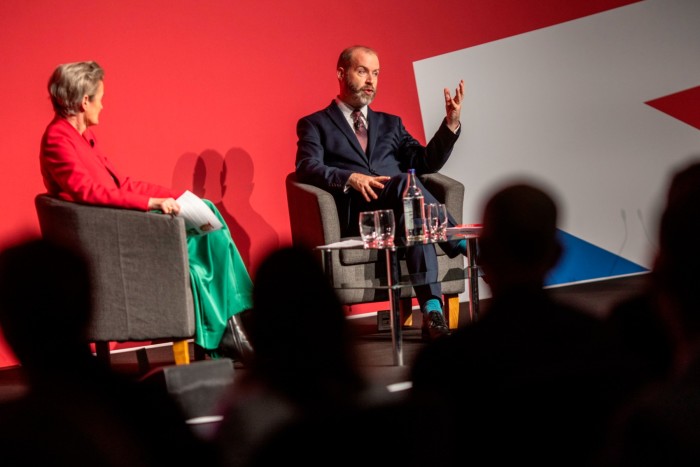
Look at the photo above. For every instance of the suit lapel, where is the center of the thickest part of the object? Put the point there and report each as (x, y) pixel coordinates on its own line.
(372, 132)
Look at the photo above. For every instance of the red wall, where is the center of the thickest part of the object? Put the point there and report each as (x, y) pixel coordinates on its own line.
(223, 82)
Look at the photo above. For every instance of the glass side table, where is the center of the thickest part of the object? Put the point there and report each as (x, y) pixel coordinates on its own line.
(395, 281)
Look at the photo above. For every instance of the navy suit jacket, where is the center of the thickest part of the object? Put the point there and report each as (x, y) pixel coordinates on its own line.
(328, 152)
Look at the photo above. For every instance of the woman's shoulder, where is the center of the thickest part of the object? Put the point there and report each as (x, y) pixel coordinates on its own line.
(60, 127)
(59, 132)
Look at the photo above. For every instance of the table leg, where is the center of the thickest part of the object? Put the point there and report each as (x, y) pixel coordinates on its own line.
(327, 262)
(473, 280)
(392, 273)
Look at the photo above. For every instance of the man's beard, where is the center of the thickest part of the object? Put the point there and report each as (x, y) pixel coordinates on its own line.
(358, 94)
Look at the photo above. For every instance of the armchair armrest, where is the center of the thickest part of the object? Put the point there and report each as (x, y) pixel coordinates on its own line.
(140, 267)
(447, 190)
(313, 214)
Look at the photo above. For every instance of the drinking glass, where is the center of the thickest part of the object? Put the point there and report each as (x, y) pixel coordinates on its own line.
(368, 228)
(385, 228)
(441, 222)
(431, 221)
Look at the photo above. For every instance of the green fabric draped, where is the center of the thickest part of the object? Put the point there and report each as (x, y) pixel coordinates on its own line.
(221, 285)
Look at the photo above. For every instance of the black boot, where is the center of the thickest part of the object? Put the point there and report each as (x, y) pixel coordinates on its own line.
(234, 343)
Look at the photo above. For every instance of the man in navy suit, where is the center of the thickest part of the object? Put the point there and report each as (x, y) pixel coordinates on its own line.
(362, 157)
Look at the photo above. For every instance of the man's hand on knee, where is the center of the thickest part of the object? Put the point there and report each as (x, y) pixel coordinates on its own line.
(366, 184)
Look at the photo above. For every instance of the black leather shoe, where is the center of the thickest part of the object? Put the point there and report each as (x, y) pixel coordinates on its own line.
(234, 343)
(434, 326)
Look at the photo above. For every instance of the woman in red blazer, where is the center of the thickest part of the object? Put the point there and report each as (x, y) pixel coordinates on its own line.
(75, 169)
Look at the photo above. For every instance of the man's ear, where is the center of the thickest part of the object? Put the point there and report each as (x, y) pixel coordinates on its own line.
(340, 72)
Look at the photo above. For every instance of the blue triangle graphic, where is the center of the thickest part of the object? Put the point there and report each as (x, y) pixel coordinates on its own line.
(583, 261)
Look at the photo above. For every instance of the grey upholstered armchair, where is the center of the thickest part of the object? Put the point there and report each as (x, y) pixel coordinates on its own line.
(313, 217)
(140, 271)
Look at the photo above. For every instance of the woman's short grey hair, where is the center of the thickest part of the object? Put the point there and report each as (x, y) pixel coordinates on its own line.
(70, 82)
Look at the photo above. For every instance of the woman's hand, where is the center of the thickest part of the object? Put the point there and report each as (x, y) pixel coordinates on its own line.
(167, 205)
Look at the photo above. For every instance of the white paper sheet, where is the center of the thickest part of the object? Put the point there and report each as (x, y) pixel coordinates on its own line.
(199, 219)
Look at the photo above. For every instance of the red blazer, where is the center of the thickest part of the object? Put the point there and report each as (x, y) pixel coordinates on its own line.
(75, 169)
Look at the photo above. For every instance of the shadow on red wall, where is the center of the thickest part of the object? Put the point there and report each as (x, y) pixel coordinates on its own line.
(227, 181)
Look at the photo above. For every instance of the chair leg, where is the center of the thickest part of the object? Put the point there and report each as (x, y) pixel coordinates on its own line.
(452, 310)
(102, 352)
(142, 360)
(181, 352)
(199, 353)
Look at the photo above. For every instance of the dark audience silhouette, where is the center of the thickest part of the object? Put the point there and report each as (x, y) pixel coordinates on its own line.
(640, 327)
(304, 372)
(76, 412)
(662, 426)
(534, 381)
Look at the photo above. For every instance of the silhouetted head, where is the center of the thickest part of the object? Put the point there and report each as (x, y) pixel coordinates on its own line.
(45, 301)
(518, 243)
(298, 327)
(677, 267)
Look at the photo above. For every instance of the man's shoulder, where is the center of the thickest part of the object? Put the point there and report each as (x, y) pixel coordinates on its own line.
(383, 117)
(319, 113)
(379, 113)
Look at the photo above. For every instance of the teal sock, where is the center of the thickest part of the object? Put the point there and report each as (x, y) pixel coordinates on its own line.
(432, 305)
(462, 246)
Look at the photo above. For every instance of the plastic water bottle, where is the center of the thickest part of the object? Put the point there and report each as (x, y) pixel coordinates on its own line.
(413, 213)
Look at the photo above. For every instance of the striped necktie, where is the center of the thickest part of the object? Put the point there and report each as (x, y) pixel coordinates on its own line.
(360, 128)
